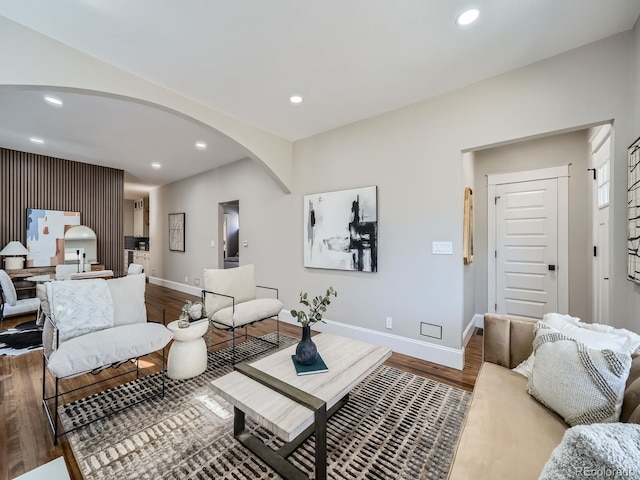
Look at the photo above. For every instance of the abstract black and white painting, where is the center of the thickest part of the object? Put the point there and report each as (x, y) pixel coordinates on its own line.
(633, 191)
(341, 230)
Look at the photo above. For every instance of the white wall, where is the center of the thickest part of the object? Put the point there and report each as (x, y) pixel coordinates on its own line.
(198, 197)
(413, 155)
(539, 153)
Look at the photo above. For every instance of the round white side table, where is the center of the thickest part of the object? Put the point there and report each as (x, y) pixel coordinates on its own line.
(188, 352)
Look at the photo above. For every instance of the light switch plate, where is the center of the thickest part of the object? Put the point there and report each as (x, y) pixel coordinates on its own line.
(442, 248)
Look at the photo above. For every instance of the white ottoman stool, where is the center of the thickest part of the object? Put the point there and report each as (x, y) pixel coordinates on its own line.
(188, 353)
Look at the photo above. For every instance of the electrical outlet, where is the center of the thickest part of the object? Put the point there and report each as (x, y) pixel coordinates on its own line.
(196, 281)
(186, 279)
(213, 243)
(153, 273)
(389, 322)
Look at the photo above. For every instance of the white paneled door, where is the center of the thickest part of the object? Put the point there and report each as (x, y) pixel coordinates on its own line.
(526, 222)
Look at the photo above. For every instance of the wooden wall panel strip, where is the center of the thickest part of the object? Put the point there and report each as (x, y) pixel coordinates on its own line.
(28, 180)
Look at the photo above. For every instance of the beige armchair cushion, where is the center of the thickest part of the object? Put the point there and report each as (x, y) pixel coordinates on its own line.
(248, 312)
(239, 283)
(105, 347)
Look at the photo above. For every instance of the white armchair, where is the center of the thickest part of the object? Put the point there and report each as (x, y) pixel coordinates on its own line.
(231, 303)
(9, 303)
(94, 324)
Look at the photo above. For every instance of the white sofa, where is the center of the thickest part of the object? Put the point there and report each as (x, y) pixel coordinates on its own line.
(94, 324)
(9, 303)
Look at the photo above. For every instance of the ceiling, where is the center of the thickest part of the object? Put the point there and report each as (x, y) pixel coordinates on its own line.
(349, 59)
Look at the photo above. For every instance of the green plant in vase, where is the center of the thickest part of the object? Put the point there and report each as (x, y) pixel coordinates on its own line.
(306, 351)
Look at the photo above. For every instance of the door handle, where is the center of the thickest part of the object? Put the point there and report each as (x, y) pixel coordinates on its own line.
(606, 278)
(552, 268)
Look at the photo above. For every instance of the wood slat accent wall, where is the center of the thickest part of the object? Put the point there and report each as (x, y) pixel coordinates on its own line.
(28, 180)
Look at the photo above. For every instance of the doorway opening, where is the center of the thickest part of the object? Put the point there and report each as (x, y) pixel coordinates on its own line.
(230, 233)
(508, 268)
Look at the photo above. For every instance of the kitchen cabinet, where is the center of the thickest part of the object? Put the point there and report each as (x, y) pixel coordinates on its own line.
(141, 218)
(143, 258)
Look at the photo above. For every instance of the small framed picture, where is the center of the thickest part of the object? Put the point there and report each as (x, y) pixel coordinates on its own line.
(176, 232)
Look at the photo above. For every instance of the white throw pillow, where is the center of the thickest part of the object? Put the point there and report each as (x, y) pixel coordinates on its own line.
(581, 384)
(127, 294)
(9, 291)
(591, 334)
(79, 307)
(608, 450)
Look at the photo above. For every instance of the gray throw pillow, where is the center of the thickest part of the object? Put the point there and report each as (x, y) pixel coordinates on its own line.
(602, 450)
(581, 384)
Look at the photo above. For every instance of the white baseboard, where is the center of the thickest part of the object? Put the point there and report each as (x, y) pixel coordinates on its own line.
(181, 287)
(447, 356)
(479, 318)
(468, 331)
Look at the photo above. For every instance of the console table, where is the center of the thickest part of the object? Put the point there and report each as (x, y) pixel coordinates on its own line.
(25, 288)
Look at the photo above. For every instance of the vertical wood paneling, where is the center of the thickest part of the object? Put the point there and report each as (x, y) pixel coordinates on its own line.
(36, 181)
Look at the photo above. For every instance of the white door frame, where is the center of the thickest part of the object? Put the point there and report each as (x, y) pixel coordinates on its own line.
(604, 133)
(561, 173)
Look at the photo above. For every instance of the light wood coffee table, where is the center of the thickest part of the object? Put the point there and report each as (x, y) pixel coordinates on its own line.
(295, 407)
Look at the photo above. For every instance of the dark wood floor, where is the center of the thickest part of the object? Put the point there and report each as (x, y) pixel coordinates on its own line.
(26, 441)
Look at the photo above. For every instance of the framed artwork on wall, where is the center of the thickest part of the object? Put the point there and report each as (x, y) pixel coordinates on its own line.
(467, 231)
(341, 230)
(633, 199)
(176, 232)
(45, 235)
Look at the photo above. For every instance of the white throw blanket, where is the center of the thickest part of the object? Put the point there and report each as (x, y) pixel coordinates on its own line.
(79, 307)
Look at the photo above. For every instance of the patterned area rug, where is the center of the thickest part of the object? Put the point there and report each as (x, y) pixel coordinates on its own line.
(395, 426)
(21, 339)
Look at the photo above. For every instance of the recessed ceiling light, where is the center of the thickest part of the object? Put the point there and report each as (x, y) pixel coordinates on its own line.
(201, 145)
(36, 140)
(295, 99)
(156, 165)
(51, 100)
(468, 17)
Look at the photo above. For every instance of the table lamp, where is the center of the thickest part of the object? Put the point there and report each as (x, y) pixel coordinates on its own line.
(13, 253)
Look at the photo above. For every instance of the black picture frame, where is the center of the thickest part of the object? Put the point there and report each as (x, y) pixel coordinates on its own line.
(176, 232)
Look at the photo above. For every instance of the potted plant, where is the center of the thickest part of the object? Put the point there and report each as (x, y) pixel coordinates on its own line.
(306, 351)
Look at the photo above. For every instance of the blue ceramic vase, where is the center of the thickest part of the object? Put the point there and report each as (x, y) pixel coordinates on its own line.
(306, 351)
